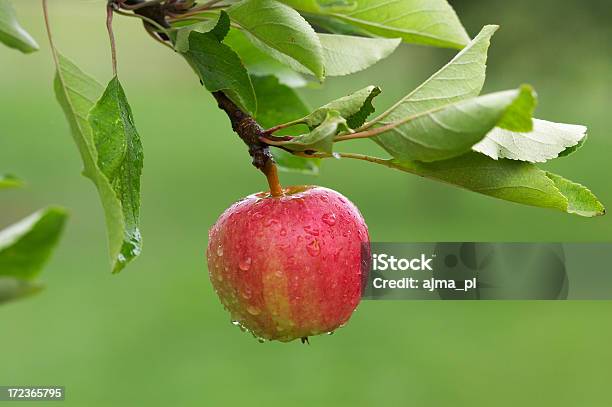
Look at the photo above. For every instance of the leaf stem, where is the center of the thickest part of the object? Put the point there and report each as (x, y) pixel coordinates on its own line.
(276, 128)
(49, 33)
(353, 156)
(145, 19)
(111, 36)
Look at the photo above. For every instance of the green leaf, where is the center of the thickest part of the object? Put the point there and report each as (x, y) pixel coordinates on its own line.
(581, 200)
(280, 31)
(26, 245)
(322, 6)
(462, 78)
(342, 55)
(280, 104)
(428, 22)
(120, 159)
(220, 69)
(509, 180)
(10, 181)
(345, 54)
(323, 23)
(77, 93)
(547, 140)
(219, 28)
(355, 107)
(571, 150)
(258, 63)
(14, 288)
(453, 129)
(321, 138)
(11, 33)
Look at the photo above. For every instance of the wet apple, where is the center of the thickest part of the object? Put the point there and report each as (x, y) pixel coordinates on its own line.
(291, 266)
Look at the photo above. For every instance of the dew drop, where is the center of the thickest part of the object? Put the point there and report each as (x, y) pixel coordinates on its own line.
(324, 198)
(311, 231)
(283, 232)
(245, 263)
(313, 248)
(329, 219)
(271, 222)
(246, 293)
(253, 310)
(220, 251)
(219, 276)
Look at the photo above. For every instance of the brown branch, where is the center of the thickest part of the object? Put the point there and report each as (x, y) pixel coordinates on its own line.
(242, 123)
(251, 132)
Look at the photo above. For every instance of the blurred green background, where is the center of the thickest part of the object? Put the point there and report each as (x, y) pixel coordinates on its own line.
(156, 335)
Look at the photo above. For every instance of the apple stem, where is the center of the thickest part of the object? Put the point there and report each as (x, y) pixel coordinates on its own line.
(271, 173)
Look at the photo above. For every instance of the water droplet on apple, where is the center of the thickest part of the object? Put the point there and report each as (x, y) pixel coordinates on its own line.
(271, 222)
(219, 276)
(329, 219)
(246, 293)
(245, 264)
(220, 251)
(311, 231)
(324, 198)
(283, 232)
(251, 309)
(313, 248)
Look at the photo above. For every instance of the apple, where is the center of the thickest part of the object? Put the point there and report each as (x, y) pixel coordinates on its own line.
(291, 266)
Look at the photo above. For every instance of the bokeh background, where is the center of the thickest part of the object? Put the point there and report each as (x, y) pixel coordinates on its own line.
(156, 335)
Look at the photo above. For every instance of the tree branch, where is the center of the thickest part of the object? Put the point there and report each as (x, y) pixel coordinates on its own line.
(242, 123)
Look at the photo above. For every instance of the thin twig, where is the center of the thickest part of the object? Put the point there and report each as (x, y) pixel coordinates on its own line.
(49, 34)
(156, 38)
(353, 156)
(143, 18)
(111, 36)
(140, 5)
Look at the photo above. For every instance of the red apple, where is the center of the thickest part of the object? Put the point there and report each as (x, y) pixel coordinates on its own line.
(289, 267)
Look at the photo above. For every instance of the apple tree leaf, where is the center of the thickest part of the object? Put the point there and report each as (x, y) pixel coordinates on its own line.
(120, 160)
(279, 104)
(258, 63)
(280, 31)
(355, 107)
(546, 141)
(13, 288)
(11, 33)
(427, 22)
(9, 181)
(452, 129)
(219, 28)
(509, 180)
(27, 245)
(345, 54)
(321, 138)
(220, 69)
(463, 77)
(77, 94)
